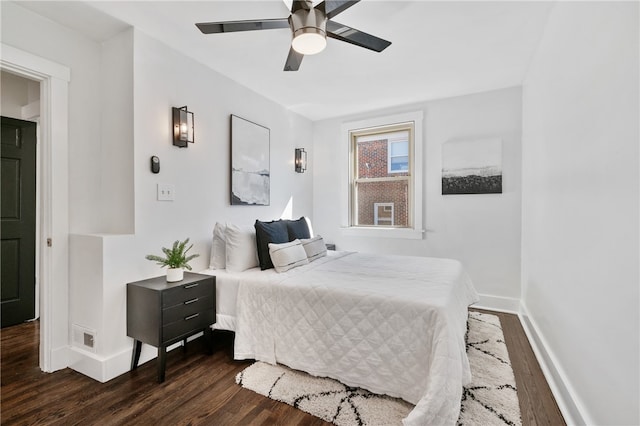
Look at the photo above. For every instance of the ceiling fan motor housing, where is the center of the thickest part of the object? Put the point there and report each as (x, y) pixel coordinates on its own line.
(308, 21)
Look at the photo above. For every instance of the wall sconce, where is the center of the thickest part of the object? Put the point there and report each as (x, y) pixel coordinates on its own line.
(300, 160)
(182, 127)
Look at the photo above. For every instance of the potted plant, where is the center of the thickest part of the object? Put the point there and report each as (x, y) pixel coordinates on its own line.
(176, 260)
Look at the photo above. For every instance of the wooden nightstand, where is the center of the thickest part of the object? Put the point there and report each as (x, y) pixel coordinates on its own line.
(161, 313)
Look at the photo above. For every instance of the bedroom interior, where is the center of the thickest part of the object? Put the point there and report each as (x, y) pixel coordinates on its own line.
(556, 83)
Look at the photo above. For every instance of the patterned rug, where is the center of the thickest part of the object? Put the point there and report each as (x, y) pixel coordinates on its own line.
(490, 399)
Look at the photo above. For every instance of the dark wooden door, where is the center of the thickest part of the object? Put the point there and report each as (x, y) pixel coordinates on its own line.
(18, 220)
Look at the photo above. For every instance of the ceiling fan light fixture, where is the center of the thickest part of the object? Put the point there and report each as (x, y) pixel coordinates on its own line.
(309, 41)
(310, 25)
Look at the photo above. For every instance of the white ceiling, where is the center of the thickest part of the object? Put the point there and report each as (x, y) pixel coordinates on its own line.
(439, 49)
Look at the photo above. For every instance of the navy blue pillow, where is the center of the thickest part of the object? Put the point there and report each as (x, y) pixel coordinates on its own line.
(298, 229)
(269, 232)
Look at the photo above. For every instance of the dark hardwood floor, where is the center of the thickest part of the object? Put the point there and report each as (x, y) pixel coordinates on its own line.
(537, 404)
(199, 388)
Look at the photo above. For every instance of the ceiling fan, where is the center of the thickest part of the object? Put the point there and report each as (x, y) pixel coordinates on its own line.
(310, 26)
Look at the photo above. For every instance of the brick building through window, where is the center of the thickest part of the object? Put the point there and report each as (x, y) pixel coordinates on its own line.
(381, 182)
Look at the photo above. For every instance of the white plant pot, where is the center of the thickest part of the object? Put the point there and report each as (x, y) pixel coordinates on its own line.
(175, 274)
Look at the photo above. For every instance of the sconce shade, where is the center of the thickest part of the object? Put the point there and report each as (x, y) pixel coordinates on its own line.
(300, 160)
(183, 131)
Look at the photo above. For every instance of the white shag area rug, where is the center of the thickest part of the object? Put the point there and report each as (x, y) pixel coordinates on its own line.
(490, 399)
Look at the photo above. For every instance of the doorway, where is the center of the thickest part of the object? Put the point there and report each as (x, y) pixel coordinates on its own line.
(18, 221)
(52, 251)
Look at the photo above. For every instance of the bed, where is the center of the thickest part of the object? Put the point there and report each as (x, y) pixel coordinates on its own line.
(394, 325)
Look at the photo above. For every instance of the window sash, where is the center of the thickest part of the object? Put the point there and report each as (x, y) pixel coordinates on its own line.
(356, 211)
(355, 179)
(382, 179)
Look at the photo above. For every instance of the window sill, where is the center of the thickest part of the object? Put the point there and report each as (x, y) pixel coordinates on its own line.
(362, 231)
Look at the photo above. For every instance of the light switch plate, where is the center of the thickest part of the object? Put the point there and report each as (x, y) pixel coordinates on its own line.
(166, 192)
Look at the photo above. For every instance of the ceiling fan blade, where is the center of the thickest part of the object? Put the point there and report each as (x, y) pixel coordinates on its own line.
(301, 4)
(357, 37)
(332, 7)
(293, 60)
(251, 25)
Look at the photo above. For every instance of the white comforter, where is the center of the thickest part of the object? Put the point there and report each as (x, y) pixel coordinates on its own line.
(390, 324)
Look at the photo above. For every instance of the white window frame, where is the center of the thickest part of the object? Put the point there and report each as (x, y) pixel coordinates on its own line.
(416, 231)
(395, 131)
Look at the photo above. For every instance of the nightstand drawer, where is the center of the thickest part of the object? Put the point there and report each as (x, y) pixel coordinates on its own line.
(186, 325)
(190, 291)
(186, 308)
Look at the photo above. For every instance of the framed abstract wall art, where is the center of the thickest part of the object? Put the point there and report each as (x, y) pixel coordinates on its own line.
(250, 167)
(472, 166)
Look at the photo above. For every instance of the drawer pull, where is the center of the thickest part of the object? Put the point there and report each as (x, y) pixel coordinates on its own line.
(191, 317)
(188, 302)
(191, 285)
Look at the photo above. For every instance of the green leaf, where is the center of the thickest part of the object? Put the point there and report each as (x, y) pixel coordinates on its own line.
(176, 256)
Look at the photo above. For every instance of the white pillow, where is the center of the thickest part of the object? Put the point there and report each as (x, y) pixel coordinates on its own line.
(314, 247)
(241, 251)
(218, 247)
(309, 226)
(286, 256)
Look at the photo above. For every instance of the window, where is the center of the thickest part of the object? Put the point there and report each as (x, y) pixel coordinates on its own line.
(381, 181)
(382, 174)
(398, 160)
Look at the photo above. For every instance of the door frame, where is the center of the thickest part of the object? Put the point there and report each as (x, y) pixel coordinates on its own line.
(53, 198)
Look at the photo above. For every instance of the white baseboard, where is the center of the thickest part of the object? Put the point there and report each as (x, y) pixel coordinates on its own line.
(497, 303)
(86, 363)
(570, 407)
(103, 369)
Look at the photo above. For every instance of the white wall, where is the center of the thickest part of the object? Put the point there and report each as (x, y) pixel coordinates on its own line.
(116, 150)
(483, 231)
(580, 208)
(15, 94)
(162, 78)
